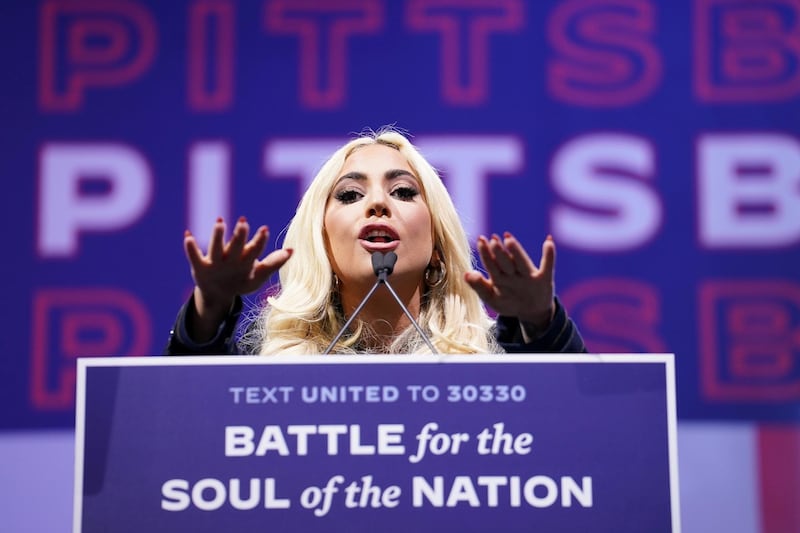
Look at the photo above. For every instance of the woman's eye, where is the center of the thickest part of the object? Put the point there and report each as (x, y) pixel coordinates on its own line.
(347, 196)
(405, 193)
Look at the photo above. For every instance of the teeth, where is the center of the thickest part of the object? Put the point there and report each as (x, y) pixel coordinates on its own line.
(375, 235)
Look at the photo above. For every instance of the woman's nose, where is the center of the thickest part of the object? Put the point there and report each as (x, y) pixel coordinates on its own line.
(378, 205)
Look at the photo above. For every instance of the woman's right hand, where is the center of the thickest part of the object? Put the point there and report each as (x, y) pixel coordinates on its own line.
(228, 269)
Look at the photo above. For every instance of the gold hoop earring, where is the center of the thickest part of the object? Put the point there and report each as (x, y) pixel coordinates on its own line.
(435, 275)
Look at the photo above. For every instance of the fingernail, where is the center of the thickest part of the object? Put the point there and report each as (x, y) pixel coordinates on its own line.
(242, 220)
(187, 233)
(219, 220)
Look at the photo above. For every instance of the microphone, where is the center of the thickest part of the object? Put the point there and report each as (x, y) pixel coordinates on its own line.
(383, 266)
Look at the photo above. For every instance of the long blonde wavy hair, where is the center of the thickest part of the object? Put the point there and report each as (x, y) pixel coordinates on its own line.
(304, 316)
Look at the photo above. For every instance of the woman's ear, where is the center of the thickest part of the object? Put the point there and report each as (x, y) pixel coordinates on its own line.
(436, 257)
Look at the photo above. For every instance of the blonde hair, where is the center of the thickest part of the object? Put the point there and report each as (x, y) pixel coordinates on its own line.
(304, 316)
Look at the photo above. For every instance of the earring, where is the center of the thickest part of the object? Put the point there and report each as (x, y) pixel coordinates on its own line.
(335, 282)
(435, 275)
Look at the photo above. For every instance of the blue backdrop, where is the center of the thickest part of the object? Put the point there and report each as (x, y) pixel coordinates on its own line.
(656, 141)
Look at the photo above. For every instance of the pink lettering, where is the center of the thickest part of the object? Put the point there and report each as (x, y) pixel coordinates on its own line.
(465, 65)
(746, 51)
(616, 315)
(750, 340)
(210, 85)
(70, 323)
(324, 29)
(107, 44)
(605, 56)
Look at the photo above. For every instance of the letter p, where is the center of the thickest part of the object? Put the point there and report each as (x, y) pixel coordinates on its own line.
(80, 322)
(90, 44)
(97, 186)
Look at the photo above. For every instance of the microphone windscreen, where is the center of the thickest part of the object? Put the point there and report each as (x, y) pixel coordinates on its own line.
(377, 262)
(388, 262)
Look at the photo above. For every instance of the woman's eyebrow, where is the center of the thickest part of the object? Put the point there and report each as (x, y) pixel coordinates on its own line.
(389, 175)
(397, 173)
(357, 176)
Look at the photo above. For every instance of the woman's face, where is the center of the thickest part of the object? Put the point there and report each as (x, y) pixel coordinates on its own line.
(376, 205)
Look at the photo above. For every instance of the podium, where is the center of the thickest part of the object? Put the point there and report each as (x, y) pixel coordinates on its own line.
(531, 442)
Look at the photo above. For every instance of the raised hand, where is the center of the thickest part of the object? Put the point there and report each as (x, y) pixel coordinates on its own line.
(515, 285)
(228, 269)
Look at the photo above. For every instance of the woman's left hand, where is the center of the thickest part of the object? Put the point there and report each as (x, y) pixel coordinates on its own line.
(516, 286)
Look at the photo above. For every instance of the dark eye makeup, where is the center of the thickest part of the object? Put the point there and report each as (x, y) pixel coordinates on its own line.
(405, 192)
(401, 192)
(347, 196)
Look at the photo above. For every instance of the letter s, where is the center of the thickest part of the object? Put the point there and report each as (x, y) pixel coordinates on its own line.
(175, 495)
(608, 204)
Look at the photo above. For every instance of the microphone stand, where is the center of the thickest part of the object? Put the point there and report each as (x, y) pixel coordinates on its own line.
(382, 265)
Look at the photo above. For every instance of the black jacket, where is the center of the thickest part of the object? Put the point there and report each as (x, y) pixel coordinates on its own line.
(561, 337)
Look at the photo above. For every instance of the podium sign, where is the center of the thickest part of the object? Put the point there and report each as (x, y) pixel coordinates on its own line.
(377, 443)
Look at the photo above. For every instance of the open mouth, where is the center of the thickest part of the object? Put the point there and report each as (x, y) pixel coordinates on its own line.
(378, 234)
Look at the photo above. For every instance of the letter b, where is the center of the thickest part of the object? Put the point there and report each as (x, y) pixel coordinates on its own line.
(746, 51)
(239, 441)
(750, 340)
(749, 190)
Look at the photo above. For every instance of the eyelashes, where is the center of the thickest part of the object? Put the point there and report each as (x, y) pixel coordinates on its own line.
(405, 193)
(349, 196)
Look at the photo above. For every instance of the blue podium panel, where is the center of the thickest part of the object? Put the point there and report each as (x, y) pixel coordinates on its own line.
(377, 443)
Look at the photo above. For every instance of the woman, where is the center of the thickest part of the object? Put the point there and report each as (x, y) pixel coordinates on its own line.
(376, 193)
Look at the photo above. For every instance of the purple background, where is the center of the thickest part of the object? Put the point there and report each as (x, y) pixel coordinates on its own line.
(154, 116)
(671, 293)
